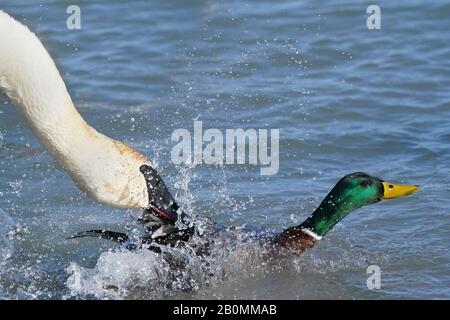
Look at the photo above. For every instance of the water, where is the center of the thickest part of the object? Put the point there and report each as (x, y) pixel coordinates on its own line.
(344, 98)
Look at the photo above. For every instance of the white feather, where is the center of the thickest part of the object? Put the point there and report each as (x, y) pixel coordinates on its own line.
(105, 169)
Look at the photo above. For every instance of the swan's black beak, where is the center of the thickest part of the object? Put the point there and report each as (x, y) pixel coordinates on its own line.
(162, 211)
(161, 204)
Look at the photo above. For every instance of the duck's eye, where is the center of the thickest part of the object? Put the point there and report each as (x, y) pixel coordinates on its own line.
(365, 183)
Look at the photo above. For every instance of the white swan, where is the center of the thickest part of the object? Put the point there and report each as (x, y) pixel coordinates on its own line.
(106, 169)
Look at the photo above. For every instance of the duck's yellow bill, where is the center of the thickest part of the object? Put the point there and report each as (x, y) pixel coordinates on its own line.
(392, 191)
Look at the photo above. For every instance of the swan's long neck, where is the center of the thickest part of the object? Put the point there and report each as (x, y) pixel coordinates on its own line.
(104, 168)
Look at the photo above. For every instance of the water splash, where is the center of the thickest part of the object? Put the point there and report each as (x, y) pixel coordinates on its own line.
(143, 274)
(6, 247)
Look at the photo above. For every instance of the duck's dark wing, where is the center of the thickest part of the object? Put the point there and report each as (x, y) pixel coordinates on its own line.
(104, 234)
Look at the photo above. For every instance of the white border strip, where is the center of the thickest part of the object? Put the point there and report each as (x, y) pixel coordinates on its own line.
(312, 234)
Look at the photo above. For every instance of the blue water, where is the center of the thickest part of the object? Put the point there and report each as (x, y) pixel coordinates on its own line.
(345, 99)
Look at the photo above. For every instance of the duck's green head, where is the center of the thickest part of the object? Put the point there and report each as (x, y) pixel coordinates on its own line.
(350, 193)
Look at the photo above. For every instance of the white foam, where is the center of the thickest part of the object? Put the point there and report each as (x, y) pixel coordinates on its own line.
(143, 274)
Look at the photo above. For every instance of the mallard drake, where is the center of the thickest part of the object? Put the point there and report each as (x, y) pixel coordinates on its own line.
(351, 192)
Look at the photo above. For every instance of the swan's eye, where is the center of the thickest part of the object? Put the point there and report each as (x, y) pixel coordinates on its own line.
(365, 183)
